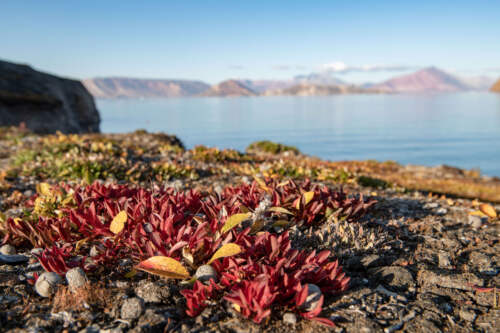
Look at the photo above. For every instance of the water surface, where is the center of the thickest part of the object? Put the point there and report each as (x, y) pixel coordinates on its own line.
(461, 129)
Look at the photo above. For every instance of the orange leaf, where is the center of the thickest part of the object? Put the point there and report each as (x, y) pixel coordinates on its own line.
(164, 266)
(226, 250)
(488, 210)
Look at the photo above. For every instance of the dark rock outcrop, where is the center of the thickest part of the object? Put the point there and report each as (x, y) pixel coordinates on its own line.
(45, 103)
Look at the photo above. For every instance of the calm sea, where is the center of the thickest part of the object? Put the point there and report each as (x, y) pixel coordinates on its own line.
(461, 129)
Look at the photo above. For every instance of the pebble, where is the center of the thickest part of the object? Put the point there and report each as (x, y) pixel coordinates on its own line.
(467, 315)
(46, 284)
(290, 318)
(76, 278)
(13, 259)
(431, 205)
(206, 272)
(477, 221)
(132, 308)
(313, 297)
(444, 260)
(36, 251)
(94, 251)
(7, 249)
(442, 211)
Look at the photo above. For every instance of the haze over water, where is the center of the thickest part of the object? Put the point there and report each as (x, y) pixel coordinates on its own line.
(459, 129)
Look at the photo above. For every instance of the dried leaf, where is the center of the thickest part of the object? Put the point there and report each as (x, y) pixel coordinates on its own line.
(234, 220)
(226, 250)
(488, 210)
(118, 222)
(187, 255)
(44, 189)
(280, 210)
(164, 266)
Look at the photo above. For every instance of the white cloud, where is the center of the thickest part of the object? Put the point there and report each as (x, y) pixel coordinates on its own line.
(342, 68)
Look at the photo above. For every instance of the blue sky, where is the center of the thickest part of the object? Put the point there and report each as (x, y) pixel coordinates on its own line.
(216, 40)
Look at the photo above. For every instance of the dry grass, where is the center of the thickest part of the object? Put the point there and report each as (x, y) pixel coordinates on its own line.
(88, 296)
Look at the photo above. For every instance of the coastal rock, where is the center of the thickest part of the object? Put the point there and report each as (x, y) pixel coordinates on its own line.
(44, 103)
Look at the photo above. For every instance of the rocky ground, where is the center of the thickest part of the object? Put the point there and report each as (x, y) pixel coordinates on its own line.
(417, 261)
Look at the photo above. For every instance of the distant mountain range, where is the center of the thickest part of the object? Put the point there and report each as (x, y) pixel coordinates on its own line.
(426, 80)
(118, 87)
(496, 87)
(229, 88)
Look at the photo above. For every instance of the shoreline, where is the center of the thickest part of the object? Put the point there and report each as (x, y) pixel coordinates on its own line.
(415, 243)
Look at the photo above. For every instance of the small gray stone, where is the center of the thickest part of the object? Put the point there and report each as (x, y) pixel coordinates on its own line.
(13, 259)
(431, 205)
(94, 251)
(132, 308)
(290, 318)
(206, 272)
(477, 221)
(467, 315)
(36, 251)
(313, 297)
(47, 283)
(7, 249)
(76, 278)
(442, 211)
(444, 259)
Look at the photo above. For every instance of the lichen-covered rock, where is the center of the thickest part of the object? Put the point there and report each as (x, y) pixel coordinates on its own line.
(132, 308)
(76, 278)
(43, 102)
(206, 272)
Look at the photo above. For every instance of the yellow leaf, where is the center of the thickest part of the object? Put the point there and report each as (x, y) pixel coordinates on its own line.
(44, 189)
(308, 196)
(131, 274)
(79, 244)
(281, 223)
(478, 213)
(234, 220)
(226, 250)
(262, 184)
(488, 210)
(283, 183)
(118, 222)
(164, 266)
(256, 226)
(280, 210)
